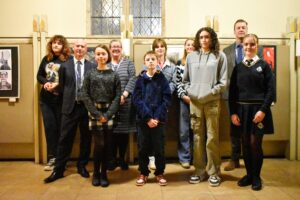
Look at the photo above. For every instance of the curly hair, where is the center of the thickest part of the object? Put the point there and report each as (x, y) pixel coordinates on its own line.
(65, 52)
(214, 46)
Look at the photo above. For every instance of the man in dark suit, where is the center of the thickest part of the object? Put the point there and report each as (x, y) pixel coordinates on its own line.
(74, 114)
(234, 54)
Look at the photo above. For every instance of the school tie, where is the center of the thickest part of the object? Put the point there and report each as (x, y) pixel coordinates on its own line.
(249, 62)
(239, 54)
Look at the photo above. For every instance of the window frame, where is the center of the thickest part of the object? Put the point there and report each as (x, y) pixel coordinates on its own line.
(125, 11)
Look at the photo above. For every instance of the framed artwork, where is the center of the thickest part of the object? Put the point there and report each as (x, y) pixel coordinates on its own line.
(9, 72)
(269, 55)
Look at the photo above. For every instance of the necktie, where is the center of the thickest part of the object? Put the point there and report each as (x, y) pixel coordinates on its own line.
(78, 74)
(249, 62)
(78, 79)
(239, 54)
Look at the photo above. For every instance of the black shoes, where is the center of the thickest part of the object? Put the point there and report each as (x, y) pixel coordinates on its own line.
(53, 177)
(96, 179)
(245, 181)
(103, 181)
(256, 183)
(83, 172)
(100, 180)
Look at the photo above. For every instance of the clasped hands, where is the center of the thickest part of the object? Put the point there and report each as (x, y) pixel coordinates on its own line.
(259, 116)
(49, 86)
(102, 120)
(152, 123)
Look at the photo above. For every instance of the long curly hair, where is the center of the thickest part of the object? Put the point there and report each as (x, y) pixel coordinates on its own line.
(65, 52)
(214, 46)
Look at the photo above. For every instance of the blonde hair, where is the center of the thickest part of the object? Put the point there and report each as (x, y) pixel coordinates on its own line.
(185, 53)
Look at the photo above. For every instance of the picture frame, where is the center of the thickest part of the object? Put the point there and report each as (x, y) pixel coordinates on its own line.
(9, 71)
(269, 55)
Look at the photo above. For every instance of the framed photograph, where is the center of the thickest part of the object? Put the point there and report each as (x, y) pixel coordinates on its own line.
(9, 72)
(269, 54)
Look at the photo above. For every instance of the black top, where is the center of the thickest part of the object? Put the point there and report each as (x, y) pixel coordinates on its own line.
(252, 84)
(48, 72)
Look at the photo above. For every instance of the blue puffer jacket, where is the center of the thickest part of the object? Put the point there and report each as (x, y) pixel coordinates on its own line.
(151, 97)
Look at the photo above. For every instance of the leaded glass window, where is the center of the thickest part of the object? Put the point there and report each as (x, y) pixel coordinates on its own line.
(105, 17)
(146, 17)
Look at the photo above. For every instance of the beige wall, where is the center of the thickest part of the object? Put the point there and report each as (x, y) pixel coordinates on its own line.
(267, 18)
(183, 18)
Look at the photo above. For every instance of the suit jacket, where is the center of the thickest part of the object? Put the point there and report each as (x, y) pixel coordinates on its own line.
(230, 54)
(67, 83)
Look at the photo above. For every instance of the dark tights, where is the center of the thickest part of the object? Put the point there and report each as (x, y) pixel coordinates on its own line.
(253, 154)
(102, 140)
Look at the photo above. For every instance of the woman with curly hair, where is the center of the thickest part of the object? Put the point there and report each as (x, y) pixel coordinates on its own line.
(205, 77)
(58, 51)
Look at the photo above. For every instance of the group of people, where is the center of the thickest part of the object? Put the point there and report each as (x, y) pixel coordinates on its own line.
(107, 101)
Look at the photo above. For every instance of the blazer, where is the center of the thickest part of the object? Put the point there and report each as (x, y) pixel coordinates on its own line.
(230, 54)
(67, 83)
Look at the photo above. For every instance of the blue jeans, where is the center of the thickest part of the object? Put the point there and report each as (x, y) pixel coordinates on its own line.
(51, 117)
(185, 134)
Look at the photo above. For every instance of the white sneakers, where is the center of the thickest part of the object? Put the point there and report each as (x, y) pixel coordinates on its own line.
(214, 181)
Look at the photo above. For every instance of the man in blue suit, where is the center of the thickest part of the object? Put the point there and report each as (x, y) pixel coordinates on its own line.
(74, 113)
(235, 55)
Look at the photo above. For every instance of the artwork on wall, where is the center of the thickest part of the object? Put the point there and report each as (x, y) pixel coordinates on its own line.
(269, 54)
(9, 72)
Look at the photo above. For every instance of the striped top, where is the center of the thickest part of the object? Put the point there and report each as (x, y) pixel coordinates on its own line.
(125, 117)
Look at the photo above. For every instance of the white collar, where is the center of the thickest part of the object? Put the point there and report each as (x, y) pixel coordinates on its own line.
(254, 60)
(81, 60)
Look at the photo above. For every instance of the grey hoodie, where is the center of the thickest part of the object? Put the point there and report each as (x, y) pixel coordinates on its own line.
(205, 76)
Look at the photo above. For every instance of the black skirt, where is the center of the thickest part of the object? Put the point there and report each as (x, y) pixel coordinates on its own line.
(246, 113)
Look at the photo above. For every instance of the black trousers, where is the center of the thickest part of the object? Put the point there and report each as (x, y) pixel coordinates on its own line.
(120, 144)
(151, 140)
(69, 124)
(51, 117)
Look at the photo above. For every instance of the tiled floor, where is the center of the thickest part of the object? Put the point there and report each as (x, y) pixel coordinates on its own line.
(24, 180)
